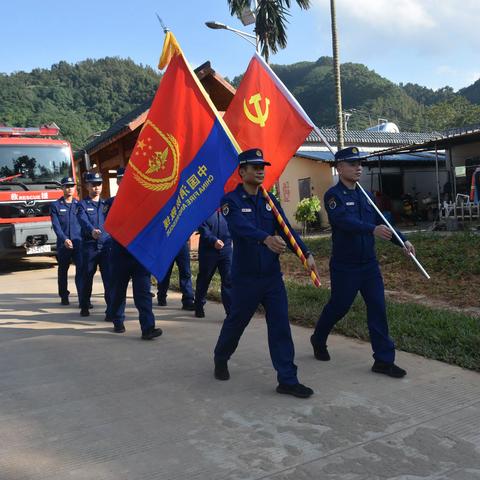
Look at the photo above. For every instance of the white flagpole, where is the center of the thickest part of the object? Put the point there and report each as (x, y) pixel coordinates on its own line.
(397, 236)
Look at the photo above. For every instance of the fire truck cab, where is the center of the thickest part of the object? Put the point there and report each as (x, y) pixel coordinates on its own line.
(32, 164)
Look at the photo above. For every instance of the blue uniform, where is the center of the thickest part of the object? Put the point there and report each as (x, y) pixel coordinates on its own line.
(209, 259)
(354, 268)
(185, 276)
(66, 227)
(92, 215)
(257, 279)
(124, 266)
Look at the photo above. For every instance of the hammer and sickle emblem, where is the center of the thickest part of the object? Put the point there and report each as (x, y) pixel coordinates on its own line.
(261, 117)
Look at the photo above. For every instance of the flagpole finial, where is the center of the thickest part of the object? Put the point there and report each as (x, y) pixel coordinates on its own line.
(164, 27)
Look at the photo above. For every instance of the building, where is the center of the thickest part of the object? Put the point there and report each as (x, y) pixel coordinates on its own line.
(311, 171)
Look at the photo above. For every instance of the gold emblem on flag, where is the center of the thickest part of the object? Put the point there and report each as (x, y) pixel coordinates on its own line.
(155, 159)
(260, 117)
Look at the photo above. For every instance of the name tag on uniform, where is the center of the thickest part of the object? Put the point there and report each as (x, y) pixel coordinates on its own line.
(349, 204)
(90, 209)
(246, 210)
(63, 209)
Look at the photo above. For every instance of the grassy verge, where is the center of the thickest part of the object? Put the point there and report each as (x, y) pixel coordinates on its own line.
(440, 334)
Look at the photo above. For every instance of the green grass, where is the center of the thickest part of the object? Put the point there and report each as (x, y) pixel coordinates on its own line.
(455, 254)
(439, 334)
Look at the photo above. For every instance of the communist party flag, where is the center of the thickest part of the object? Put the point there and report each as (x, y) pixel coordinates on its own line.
(177, 170)
(264, 114)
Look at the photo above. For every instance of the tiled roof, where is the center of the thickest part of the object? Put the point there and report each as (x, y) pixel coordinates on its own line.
(362, 137)
(452, 132)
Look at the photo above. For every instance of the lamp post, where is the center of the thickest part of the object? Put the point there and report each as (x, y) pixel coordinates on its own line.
(221, 26)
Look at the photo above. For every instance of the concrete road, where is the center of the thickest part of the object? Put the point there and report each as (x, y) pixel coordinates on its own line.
(79, 402)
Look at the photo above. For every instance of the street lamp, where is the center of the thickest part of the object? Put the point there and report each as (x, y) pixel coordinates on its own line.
(221, 26)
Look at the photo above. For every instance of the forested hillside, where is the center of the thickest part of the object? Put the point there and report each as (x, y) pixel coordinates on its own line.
(368, 96)
(89, 96)
(81, 99)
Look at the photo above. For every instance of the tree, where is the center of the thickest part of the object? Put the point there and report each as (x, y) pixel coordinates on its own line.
(270, 21)
(336, 70)
(307, 211)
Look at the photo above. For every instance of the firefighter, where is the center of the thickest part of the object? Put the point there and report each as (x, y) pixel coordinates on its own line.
(96, 242)
(354, 266)
(65, 224)
(257, 277)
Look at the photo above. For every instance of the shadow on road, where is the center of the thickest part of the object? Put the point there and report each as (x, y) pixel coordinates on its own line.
(22, 264)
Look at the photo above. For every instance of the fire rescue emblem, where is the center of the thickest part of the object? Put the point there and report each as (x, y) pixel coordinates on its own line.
(155, 159)
(332, 203)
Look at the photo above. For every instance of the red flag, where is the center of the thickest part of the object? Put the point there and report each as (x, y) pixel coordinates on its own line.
(264, 114)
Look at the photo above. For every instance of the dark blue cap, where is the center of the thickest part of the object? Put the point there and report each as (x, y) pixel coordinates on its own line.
(68, 181)
(120, 172)
(350, 154)
(253, 156)
(93, 177)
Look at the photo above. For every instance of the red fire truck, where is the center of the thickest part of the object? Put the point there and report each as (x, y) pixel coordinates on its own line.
(32, 163)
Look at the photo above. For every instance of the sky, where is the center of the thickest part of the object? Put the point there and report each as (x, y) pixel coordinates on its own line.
(430, 42)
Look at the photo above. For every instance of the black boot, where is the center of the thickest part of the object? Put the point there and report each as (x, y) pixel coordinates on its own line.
(119, 329)
(84, 312)
(152, 333)
(65, 301)
(320, 351)
(297, 390)
(199, 312)
(389, 369)
(221, 370)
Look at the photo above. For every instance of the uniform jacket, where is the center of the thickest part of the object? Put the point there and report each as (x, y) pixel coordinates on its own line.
(352, 220)
(65, 221)
(92, 215)
(250, 221)
(212, 229)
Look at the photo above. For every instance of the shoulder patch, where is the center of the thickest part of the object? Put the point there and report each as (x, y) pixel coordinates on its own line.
(225, 209)
(332, 204)
(268, 207)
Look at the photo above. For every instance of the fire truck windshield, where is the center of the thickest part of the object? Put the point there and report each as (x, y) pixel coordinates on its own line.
(35, 164)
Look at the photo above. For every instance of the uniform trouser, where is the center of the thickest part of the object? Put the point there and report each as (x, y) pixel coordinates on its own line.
(93, 257)
(185, 277)
(65, 256)
(125, 267)
(207, 265)
(247, 295)
(346, 282)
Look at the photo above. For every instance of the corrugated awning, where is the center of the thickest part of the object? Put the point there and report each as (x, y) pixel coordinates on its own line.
(419, 157)
(320, 156)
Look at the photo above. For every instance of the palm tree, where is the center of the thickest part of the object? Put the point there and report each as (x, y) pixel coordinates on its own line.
(270, 21)
(336, 70)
